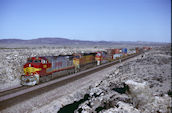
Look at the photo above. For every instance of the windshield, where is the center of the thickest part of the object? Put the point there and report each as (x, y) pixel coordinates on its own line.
(29, 61)
(98, 54)
(77, 57)
(37, 61)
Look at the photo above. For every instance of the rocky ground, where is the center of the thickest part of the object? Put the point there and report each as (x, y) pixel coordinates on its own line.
(12, 61)
(138, 85)
(142, 85)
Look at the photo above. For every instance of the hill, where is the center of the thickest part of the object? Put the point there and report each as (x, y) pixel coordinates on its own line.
(61, 42)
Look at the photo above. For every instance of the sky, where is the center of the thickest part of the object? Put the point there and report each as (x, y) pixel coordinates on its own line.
(94, 20)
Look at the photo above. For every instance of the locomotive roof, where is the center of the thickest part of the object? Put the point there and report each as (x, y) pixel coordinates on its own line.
(45, 57)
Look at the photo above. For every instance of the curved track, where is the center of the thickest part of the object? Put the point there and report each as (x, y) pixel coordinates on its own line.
(13, 96)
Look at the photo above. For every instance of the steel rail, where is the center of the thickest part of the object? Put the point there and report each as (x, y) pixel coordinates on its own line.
(10, 88)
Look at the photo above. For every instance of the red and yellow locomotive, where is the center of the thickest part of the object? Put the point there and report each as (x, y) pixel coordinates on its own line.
(33, 69)
(42, 68)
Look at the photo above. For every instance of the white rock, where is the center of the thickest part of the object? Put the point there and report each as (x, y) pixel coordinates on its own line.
(122, 108)
(140, 92)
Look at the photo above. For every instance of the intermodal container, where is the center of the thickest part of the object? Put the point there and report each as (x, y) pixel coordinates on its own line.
(124, 50)
(129, 51)
(120, 50)
(137, 50)
(109, 51)
(116, 51)
(116, 56)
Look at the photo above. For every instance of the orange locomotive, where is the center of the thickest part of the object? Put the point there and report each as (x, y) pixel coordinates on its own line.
(83, 61)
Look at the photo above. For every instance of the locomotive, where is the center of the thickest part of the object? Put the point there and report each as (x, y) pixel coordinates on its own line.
(41, 69)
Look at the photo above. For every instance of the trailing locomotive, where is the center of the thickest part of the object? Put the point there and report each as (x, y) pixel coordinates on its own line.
(41, 69)
(83, 61)
(102, 57)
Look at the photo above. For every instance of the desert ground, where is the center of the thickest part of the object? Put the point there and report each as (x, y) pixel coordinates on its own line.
(139, 85)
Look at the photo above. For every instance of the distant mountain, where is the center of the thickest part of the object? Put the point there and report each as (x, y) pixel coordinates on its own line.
(9, 41)
(48, 41)
(35, 41)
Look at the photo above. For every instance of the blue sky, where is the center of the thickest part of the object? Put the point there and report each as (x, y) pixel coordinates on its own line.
(110, 20)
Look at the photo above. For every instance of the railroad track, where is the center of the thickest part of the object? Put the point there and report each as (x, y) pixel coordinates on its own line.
(9, 97)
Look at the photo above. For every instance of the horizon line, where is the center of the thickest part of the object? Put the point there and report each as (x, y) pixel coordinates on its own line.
(84, 40)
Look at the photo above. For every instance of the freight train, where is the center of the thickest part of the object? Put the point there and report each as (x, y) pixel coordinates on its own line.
(41, 69)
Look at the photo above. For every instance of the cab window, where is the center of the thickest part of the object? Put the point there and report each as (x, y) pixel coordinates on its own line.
(44, 61)
(77, 57)
(98, 54)
(37, 61)
(29, 61)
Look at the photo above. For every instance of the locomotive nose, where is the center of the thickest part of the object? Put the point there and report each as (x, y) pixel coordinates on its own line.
(30, 69)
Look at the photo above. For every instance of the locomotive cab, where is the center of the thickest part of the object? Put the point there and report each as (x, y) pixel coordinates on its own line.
(98, 57)
(33, 69)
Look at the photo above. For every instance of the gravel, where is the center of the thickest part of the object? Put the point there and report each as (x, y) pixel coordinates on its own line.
(139, 86)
